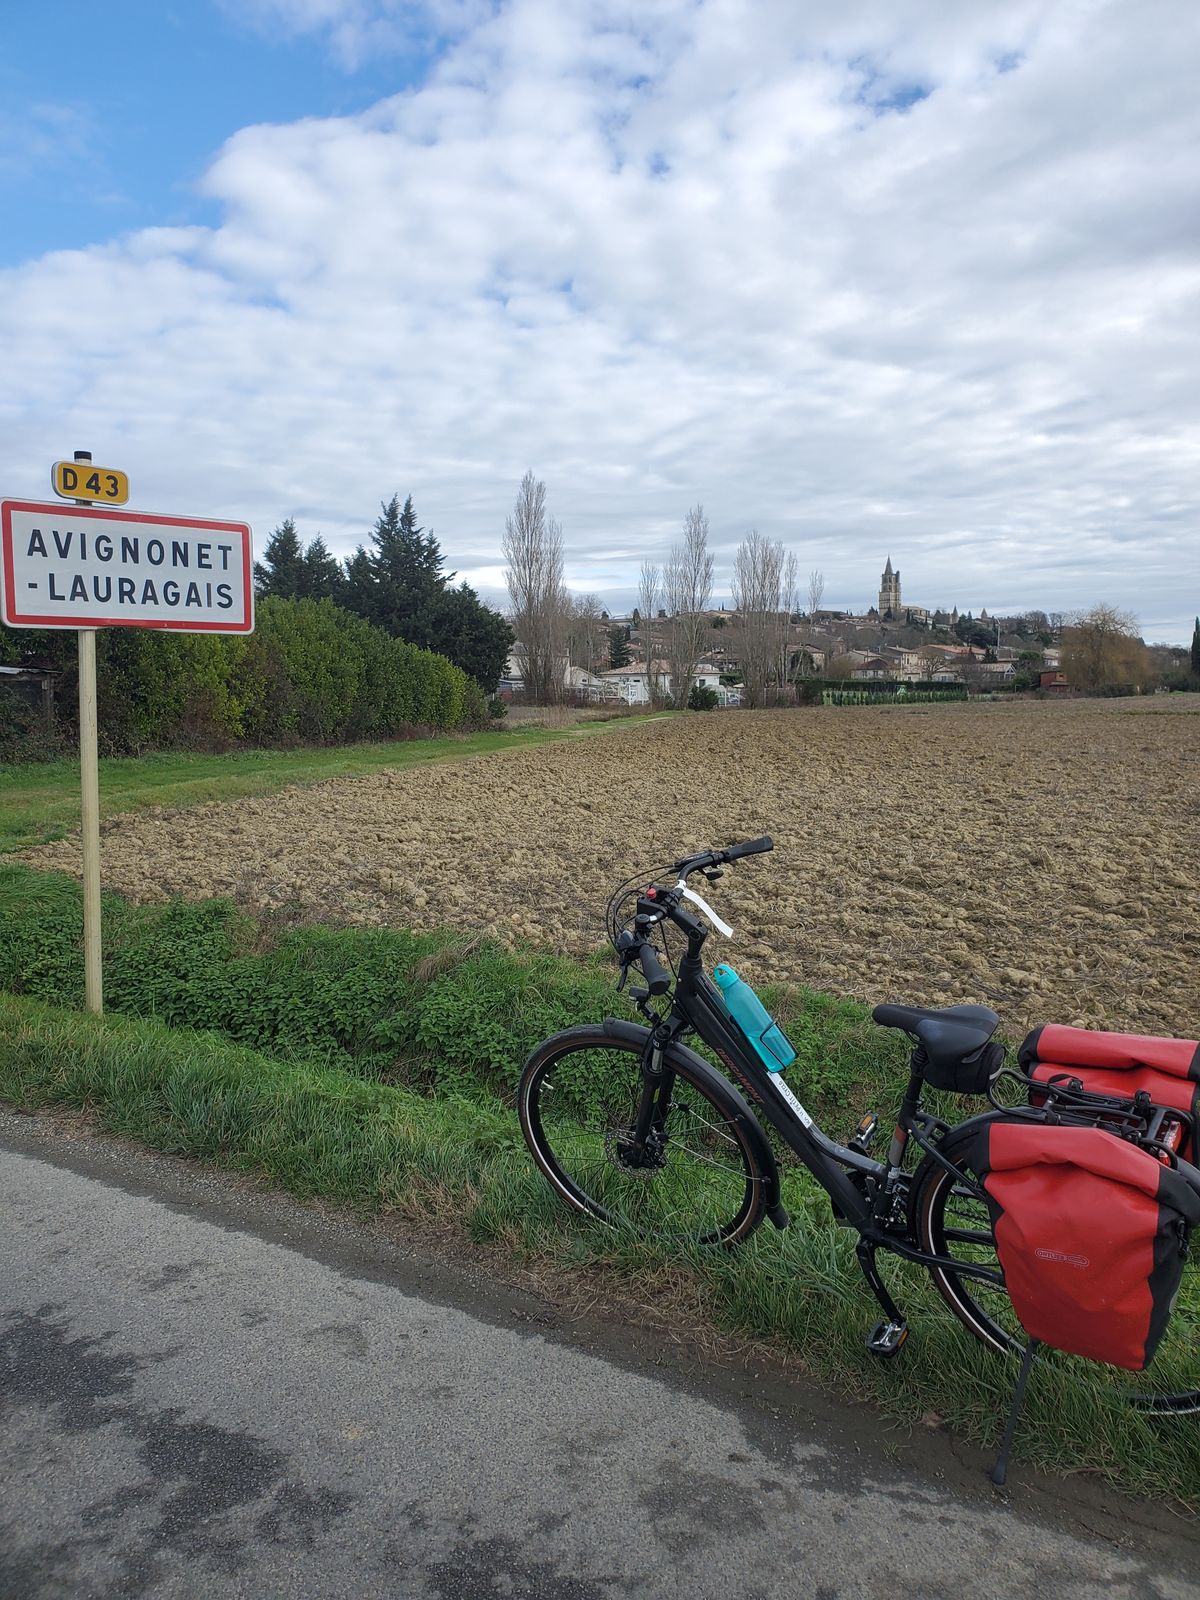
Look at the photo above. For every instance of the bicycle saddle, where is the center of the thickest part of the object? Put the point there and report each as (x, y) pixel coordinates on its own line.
(949, 1035)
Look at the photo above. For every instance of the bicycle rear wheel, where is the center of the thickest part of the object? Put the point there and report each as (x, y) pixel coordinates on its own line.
(697, 1179)
(950, 1219)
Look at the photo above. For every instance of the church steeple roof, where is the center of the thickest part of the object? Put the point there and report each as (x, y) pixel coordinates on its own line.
(888, 568)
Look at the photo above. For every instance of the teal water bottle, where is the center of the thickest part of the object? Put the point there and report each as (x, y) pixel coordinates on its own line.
(755, 1021)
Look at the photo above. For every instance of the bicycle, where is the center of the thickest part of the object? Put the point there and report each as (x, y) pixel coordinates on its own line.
(633, 1128)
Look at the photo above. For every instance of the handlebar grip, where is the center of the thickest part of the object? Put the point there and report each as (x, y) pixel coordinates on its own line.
(658, 979)
(752, 847)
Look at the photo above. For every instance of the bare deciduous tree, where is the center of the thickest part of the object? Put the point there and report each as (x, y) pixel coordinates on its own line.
(930, 660)
(789, 599)
(586, 636)
(1101, 649)
(534, 552)
(649, 598)
(757, 582)
(816, 592)
(839, 666)
(687, 587)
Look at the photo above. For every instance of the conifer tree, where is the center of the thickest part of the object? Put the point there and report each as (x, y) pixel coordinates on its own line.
(358, 584)
(400, 586)
(320, 573)
(406, 566)
(618, 646)
(1196, 649)
(280, 571)
(472, 635)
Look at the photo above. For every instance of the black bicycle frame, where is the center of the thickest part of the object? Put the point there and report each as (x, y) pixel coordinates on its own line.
(697, 1006)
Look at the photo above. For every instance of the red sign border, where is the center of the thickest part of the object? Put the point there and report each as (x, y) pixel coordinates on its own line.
(60, 509)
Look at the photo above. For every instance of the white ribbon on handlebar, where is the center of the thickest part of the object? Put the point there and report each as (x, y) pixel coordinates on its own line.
(698, 900)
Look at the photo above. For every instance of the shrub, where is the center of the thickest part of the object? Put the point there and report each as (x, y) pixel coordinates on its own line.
(310, 673)
(702, 698)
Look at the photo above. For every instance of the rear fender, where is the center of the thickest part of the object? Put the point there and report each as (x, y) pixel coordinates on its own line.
(722, 1089)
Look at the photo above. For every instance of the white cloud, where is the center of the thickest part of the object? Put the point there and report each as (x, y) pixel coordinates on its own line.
(899, 278)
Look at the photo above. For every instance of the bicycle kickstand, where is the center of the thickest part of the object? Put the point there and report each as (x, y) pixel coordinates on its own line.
(999, 1472)
(887, 1336)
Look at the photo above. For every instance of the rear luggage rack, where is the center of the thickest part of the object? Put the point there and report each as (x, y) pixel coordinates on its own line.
(1063, 1098)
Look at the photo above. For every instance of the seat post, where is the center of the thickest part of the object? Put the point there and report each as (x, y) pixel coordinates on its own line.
(908, 1106)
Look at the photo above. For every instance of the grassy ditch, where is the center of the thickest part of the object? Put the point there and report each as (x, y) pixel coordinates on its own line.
(39, 800)
(436, 1012)
(456, 1159)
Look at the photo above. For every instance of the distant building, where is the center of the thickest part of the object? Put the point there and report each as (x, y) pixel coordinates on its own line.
(632, 684)
(889, 591)
(1054, 679)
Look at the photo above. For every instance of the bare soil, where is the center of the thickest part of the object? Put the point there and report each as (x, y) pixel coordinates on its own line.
(1042, 858)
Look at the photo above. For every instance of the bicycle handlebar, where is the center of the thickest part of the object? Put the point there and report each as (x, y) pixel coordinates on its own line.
(715, 858)
(658, 979)
(752, 847)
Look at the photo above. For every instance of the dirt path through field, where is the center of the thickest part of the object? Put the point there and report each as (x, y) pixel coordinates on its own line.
(1042, 858)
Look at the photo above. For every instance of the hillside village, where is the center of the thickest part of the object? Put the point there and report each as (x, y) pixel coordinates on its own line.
(892, 642)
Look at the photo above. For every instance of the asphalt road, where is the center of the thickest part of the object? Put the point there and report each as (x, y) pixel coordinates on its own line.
(211, 1392)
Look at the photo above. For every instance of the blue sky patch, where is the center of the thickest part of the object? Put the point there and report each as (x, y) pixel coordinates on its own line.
(109, 116)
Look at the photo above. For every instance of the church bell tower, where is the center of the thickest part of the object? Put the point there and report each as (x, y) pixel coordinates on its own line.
(889, 591)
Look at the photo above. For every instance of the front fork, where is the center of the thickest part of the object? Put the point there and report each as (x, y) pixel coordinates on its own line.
(657, 1083)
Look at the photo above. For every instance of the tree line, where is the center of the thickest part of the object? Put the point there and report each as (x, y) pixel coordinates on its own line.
(398, 584)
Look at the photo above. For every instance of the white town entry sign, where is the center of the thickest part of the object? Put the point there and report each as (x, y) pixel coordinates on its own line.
(66, 566)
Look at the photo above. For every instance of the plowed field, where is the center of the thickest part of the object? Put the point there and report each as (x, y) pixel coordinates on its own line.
(1042, 858)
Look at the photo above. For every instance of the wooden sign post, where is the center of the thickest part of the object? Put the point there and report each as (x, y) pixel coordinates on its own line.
(89, 778)
(84, 568)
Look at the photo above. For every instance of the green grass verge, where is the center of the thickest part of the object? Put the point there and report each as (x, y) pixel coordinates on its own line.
(39, 800)
(436, 1012)
(318, 1131)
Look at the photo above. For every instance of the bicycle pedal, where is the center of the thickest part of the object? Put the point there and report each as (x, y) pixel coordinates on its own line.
(886, 1338)
(862, 1136)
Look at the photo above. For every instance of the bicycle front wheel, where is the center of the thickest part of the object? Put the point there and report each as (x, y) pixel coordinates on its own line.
(951, 1220)
(696, 1178)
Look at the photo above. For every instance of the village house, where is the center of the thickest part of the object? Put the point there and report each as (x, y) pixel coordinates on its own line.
(632, 684)
(872, 667)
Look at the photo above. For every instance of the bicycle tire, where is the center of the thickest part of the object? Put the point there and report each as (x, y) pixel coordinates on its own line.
(702, 1183)
(948, 1220)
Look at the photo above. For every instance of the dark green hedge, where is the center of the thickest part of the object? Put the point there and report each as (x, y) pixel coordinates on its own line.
(310, 673)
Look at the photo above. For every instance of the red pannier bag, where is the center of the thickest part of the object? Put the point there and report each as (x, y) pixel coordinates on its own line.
(1119, 1064)
(1091, 1233)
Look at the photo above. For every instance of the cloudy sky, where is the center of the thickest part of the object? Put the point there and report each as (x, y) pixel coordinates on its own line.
(872, 276)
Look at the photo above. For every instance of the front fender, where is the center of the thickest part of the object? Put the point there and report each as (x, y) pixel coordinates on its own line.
(738, 1105)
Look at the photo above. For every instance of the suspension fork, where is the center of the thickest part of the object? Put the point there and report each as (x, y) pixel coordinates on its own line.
(658, 1080)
